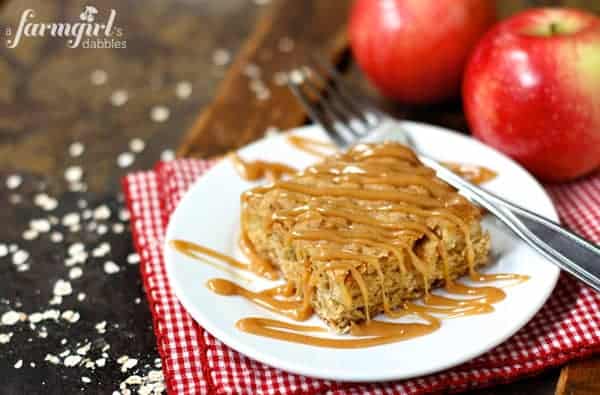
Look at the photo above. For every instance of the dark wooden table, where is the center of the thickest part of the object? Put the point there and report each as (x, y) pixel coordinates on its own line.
(52, 96)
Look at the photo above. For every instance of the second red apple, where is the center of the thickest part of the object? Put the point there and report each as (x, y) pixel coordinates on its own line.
(532, 90)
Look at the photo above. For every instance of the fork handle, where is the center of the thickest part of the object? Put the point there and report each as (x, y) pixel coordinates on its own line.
(562, 247)
(572, 247)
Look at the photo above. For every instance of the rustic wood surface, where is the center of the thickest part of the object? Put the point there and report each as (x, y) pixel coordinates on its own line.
(217, 129)
(50, 97)
(580, 378)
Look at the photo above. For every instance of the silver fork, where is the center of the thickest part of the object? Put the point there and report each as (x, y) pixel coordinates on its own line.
(348, 119)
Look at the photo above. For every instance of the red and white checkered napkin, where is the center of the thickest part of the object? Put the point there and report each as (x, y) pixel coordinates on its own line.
(195, 362)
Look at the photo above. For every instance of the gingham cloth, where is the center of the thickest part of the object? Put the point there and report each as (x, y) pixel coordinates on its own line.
(195, 362)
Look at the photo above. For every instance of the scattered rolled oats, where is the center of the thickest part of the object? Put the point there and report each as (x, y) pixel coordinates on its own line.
(84, 349)
(5, 337)
(167, 155)
(125, 159)
(56, 237)
(101, 327)
(11, 317)
(118, 228)
(70, 316)
(14, 181)
(133, 380)
(160, 114)
(99, 77)
(34, 318)
(41, 225)
(86, 379)
(124, 214)
(23, 268)
(128, 364)
(53, 359)
(3, 250)
(81, 296)
(62, 288)
(221, 57)
(101, 362)
(56, 299)
(76, 248)
(155, 375)
(133, 258)
(137, 145)
(30, 234)
(73, 174)
(101, 250)
(102, 212)
(19, 364)
(72, 360)
(111, 268)
(183, 89)
(71, 219)
(44, 201)
(119, 97)
(51, 314)
(76, 149)
(75, 273)
(19, 257)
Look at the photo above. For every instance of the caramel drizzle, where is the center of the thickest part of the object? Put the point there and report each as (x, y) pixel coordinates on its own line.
(256, 265)
(258, 169)
(372, 333)
(473, 173)
(311, 146)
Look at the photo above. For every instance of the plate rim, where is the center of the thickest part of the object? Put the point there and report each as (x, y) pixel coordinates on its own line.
(266, 358)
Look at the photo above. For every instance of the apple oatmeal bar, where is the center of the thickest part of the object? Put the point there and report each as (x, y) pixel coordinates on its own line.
(364, 232)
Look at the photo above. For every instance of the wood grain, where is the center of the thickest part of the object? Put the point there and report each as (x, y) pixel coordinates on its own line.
(237, 116)
(580, 378)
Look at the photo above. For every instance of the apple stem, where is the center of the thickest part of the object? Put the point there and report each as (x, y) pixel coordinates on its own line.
(553, 28)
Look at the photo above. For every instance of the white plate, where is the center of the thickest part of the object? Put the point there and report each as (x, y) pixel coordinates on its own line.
(209, 215)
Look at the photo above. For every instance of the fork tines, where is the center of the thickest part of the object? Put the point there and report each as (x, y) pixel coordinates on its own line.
(330, 103)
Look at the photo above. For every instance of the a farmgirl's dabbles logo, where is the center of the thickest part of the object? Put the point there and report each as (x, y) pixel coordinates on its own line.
(88, 32)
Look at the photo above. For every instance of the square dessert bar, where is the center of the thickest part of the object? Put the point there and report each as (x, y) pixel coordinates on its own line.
(364, 231)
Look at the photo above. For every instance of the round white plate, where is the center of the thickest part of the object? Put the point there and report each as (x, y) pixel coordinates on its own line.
(209, 215)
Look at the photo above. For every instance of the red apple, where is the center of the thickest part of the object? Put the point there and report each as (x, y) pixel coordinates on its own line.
(415, 50)
(532, 90)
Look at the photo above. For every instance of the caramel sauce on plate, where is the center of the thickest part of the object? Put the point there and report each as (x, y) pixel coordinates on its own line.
(472, 173)
(258, 169)
(372, 333)
(312, 146)
(283, 299)
(362, 165)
